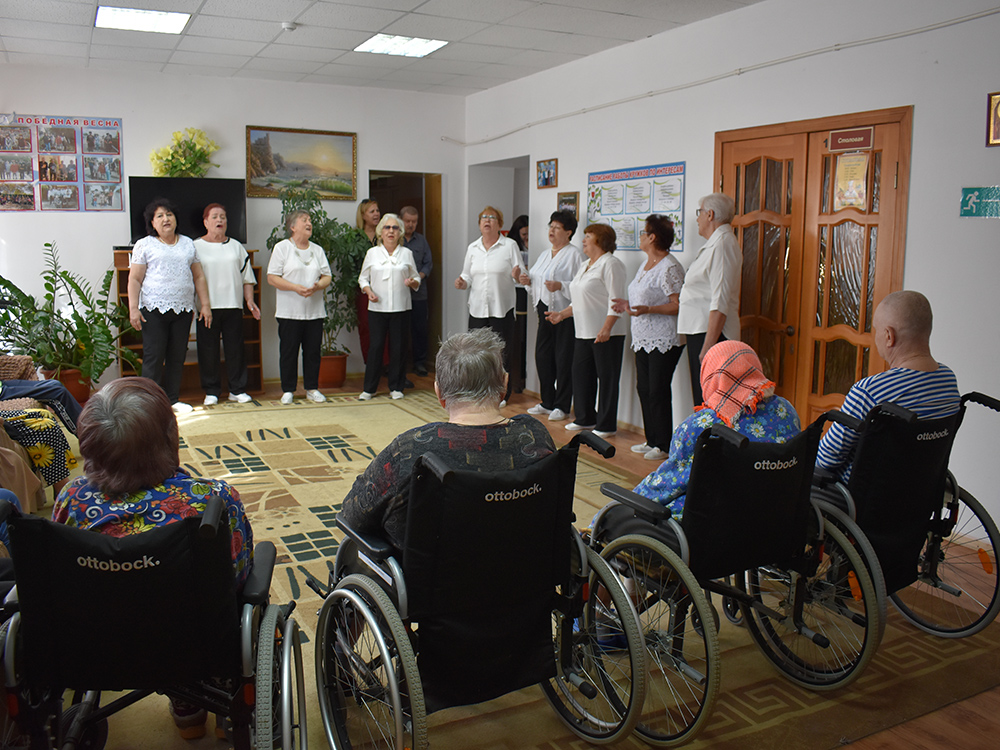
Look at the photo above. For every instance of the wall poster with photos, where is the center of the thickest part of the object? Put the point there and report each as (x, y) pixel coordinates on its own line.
(60, 163)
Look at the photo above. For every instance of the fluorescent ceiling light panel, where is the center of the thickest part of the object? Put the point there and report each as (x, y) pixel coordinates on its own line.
(130, 19)
(407, 46)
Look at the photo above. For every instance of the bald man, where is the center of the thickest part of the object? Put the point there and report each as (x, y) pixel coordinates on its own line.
(915, 380)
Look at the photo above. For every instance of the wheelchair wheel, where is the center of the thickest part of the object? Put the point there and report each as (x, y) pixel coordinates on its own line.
(279, 715)
(839, 606)
(956, 593)
(10, 733)
(601, 672)
(366, 673)
(94, 736)
(682, 653)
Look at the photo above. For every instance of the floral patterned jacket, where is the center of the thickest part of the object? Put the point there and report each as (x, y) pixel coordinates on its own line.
(775, 421)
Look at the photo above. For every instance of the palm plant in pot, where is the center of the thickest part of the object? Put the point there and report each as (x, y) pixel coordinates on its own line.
(70, 330)
(345, 247)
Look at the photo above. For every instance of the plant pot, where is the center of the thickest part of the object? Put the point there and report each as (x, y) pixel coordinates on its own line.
(332, 370)
(78, 387)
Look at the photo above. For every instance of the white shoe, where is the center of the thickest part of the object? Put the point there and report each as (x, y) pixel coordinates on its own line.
(503, 403)
(211, 400)
(655, 455)
(366, 396)
(642, 448)
(605, 433)
(539, 409)
(396, 395)
(241, 398)
(181, 408)
(557, 415)
(574, 427)
(286, 397)
(316, 397)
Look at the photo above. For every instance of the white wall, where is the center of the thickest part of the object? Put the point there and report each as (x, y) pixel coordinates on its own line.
(944, 74)
(153, 105)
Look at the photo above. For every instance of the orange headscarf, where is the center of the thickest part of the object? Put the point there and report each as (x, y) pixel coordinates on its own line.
(733, 381)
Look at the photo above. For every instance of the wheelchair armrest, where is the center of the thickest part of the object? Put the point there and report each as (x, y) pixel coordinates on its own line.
(823, 478)
(645, 508)
(7, 509)
(728, 433)
(210, 518)
(595, 442)
(835, 415)
(983, 400)
(258, 583)
(375, 547)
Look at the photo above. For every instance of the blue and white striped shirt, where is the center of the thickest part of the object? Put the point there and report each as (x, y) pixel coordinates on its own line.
(930, 395)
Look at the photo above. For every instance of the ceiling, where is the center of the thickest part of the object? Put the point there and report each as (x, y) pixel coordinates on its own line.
(490, 41)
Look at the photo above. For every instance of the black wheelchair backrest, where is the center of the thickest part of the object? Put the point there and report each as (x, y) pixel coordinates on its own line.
(747, 503)
(142, 611)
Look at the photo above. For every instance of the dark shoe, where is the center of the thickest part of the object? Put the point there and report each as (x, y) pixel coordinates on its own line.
(420, 370)
(408, 383)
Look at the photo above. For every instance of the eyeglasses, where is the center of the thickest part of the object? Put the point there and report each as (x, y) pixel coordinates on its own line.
(393, 227)
(700, 211)
(488, 216)
(643, 231)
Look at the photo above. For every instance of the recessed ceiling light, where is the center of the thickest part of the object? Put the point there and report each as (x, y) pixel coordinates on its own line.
(130, 19)
(407, 46)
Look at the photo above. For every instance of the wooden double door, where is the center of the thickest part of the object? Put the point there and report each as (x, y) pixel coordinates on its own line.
(823, 240)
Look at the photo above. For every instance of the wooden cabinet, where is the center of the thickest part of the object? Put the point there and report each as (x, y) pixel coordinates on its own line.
(252, 346)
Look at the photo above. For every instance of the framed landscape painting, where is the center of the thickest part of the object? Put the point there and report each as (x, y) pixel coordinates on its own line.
(322, 160)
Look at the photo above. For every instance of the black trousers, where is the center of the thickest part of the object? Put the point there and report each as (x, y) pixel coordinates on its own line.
(654, 372)
(504, 328)
(293, 335)
(419, 323)
(381, 326)
(695, 341)
(227, 324)
(164, 347)
(554, 346)
(597, 368)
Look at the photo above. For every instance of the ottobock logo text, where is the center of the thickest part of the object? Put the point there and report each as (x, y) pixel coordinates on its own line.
(498, 497)
(776, 465)
(115, 567)
(932, 435)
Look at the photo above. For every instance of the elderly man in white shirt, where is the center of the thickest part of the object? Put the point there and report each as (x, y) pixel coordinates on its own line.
(710, 299)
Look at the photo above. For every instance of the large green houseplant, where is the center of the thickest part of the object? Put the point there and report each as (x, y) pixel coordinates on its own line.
(345, 247)
(70, 327)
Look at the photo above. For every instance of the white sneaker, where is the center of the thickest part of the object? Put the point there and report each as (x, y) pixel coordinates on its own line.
(655, 455)
(241, 398)
(396, 395)
(316, 397)
(574, 427)
(211, 400)
(366, 396)
(642, 448)
(286, 397)
(181, 408)
(557, 415)
(539, 409)
(503, 403)
(605, 434)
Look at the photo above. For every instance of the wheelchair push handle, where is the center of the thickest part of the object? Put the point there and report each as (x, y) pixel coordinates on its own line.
(983, 400)
(210, 518)
(835, 415)
(596, 443)
(730, 435)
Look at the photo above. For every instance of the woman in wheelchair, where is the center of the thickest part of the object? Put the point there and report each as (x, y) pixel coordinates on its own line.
(470, 383)
(133, 483)
(738, 395)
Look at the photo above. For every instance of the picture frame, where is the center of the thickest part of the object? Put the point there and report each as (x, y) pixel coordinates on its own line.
(993, 119)
(325, 160)
(569, 202)
(548, 173)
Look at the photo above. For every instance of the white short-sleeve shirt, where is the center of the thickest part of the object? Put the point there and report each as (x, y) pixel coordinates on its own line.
(304, 267)
(168, 283)
(227, 269)
(591, 292)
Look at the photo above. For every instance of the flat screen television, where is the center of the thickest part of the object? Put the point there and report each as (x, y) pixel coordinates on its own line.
(190, 195)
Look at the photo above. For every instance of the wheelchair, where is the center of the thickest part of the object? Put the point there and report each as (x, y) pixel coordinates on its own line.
(153, 612)
(750, 533)
(495, 591)
(935, 544)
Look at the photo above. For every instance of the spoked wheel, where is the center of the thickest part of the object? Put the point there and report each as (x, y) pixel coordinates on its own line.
(601, 681)
(682, 654)
(956, 593)
(839, 622)
(267, 712)
(366, 673)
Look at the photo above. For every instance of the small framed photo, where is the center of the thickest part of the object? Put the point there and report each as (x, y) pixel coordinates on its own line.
(548, 173)
(569, 202)
(993, 119)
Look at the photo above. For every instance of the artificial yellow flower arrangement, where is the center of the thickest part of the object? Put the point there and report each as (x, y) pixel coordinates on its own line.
(188, 156)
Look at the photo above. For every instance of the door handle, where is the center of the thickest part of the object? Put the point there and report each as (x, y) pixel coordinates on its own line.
(790, 331)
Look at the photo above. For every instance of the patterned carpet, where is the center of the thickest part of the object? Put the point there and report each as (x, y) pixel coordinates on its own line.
(293, 466)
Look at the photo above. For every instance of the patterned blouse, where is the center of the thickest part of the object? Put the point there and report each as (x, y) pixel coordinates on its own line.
(82, 504)
(775, 421)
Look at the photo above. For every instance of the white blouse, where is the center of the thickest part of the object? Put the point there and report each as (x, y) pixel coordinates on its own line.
(227, 269)
(488, 274)
(712, 282)
(386, 275)
(303, 267)
(562, 267)
(654, 287)
(591, 292)
(168, 283)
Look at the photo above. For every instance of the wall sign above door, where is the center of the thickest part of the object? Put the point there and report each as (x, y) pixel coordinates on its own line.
(854, 139)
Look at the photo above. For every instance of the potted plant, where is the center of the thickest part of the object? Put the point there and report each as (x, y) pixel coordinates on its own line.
(69, 330)
(345, 247)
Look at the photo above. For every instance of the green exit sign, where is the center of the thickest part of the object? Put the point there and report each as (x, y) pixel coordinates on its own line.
(981, 201)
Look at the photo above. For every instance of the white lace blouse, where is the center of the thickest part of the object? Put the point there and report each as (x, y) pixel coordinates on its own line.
(168, 283)
(654, 287)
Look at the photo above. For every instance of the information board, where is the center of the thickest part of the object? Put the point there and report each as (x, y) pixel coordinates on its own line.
(623, 198)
